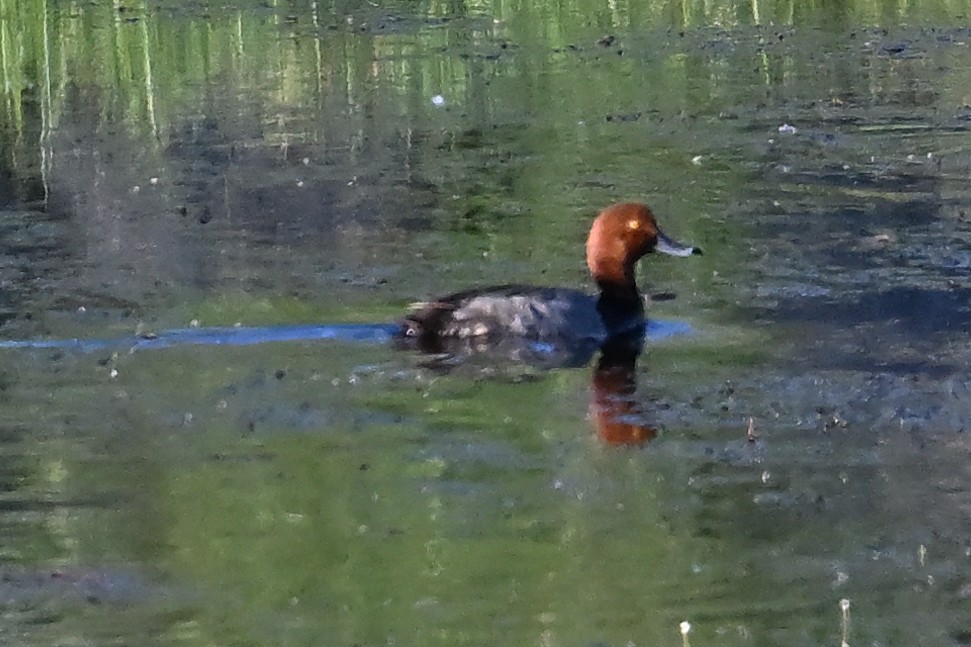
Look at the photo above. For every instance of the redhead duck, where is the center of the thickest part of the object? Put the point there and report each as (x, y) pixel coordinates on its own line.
(620, 235)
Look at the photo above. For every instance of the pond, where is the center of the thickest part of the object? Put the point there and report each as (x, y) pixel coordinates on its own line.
(211, 214)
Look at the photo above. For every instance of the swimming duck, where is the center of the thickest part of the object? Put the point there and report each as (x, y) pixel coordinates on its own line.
(619, 236)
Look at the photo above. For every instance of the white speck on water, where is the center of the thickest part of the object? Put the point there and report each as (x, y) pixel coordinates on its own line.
(82, 310)
(438, 101)
(845, 622)
(696, 160)
(114, 373)
(300, 183)
(786, 129)
(136, 189)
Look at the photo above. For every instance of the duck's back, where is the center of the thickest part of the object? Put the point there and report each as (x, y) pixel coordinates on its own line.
(540, 313)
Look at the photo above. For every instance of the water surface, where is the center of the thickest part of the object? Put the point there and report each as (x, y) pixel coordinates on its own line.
(295, 167)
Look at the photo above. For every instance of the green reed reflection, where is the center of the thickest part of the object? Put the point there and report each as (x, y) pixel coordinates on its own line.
(149, 66)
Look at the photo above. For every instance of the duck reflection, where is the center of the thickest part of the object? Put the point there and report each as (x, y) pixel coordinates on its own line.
(616, 413)
(618, 417)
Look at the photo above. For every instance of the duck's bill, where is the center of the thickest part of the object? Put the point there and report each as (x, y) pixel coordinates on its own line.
(672, 247)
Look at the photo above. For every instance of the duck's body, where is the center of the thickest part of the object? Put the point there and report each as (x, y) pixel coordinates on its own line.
(521, 310)
(619, 236)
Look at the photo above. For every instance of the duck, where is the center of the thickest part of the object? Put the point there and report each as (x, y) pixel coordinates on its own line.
(620, 235)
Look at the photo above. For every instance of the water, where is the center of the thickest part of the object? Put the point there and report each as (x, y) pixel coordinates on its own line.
(210, 215)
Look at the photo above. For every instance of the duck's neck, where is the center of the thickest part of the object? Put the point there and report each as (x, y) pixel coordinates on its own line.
(620, 304)
(616, 283)
(619, 293)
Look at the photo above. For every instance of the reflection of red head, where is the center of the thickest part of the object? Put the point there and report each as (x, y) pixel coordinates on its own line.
(613, 408)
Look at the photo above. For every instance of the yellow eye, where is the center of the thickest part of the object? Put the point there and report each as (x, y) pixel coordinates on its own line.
(633, 223)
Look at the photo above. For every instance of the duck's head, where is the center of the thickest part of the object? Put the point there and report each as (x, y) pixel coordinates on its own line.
(621, 235)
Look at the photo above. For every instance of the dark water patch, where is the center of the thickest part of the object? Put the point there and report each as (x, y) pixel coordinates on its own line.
(303, 417)
(386, 21)
(872, 180)
(915, 311)
(809, 413)
(60, 587)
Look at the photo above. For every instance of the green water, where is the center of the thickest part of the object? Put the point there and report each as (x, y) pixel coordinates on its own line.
(170, 164)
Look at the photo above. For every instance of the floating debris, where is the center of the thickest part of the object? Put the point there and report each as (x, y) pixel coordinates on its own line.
(844, 622)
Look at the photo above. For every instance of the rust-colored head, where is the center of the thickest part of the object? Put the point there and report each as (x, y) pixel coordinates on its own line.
(621, 235)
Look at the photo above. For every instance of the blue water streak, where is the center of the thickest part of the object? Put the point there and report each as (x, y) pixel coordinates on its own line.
(243, 336)
(657, 330)
(368, 333)
(234, 336)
